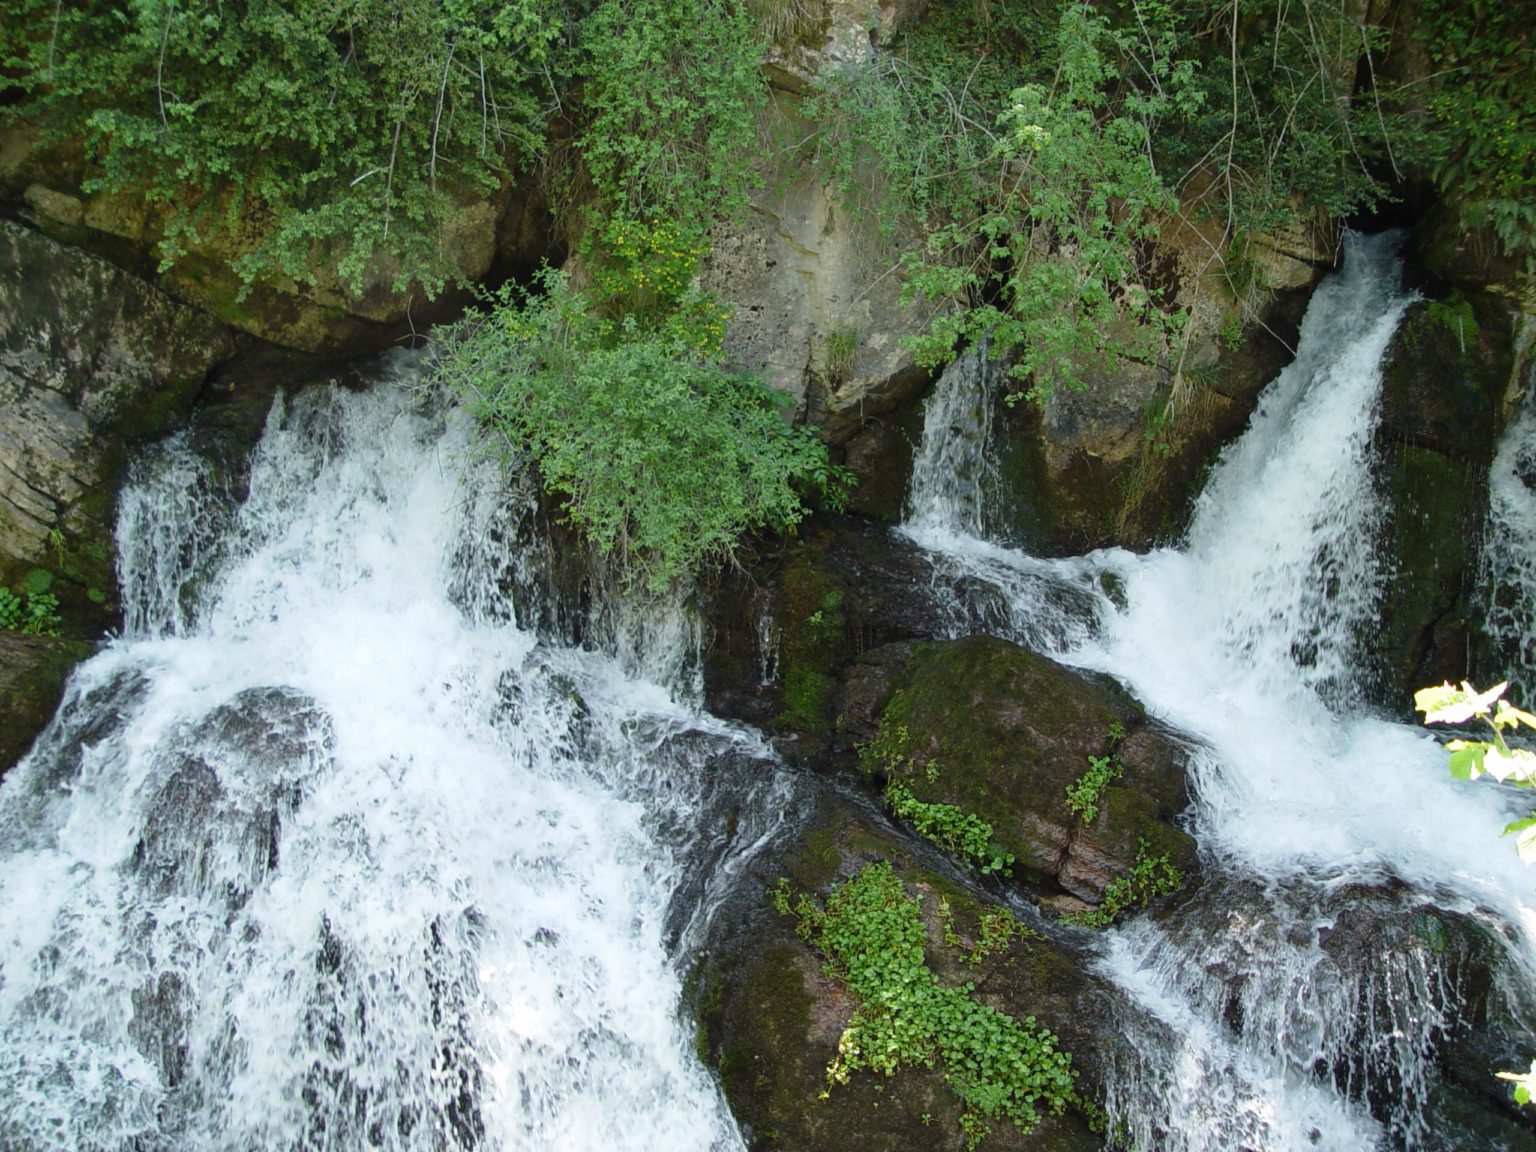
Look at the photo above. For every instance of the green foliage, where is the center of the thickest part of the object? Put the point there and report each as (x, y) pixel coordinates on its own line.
(321, 135)
(1084, 795)
(662, 455)
(996, 929)
(841, 348)
(1472, 759)
(827, 621)
(671, 92)
(1480, 128)
(329, 137)
(871, 936)
(31, 613)
(962, 834)
(1040, 146)
(1150, 877)
(1456, 314)
(1037, 201)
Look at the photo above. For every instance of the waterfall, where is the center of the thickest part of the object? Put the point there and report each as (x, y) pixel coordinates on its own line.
(1260, 1030)
(1508, 577)
(328, 851)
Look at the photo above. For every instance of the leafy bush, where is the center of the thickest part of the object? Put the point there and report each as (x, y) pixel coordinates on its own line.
(1040, 147)
(871, 934)
(1480, 131)
(663, 456)
(670, 92)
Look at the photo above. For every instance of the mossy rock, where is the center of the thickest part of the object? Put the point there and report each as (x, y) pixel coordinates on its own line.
(1443, 378)
(1434, 529)
(32, 674)
(1444, 375)
(771, 1016)
(840, 587)
(1001, 732)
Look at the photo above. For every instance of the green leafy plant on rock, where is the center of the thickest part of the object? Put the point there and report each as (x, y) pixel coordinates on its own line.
(964, 835)
(996, 929)
(1150, 876)
(871, 936)
(32, 614)
(1083, 796)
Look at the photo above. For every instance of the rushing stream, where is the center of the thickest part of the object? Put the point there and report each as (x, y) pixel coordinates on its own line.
(327, 852)
(356, 839)
(1249, 639)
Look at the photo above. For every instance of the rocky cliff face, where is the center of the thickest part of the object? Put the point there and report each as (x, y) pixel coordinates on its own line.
(92, 360)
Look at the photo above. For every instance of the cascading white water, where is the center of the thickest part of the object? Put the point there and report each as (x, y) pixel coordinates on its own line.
(1049, 605)
(1508, 577)
(328, 853)
(1248, 638)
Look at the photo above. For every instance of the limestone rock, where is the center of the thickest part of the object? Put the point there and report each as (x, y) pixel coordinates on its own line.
(91, 359)
(813, 282)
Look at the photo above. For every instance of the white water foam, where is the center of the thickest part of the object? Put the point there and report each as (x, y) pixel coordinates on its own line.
(342, 858)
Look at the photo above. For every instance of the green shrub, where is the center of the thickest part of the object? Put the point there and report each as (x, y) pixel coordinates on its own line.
(662, 455)
(320, 135)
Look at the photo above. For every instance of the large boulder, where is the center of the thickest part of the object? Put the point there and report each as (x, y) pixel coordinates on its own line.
(1003, 733)
(92, 361)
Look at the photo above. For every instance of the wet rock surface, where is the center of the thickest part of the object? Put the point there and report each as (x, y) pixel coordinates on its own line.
(1443, 379)
(1003, 732)
(32, 674)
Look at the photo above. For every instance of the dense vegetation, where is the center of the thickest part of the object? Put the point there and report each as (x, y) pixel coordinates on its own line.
(1043, 158)
(1038, 147)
